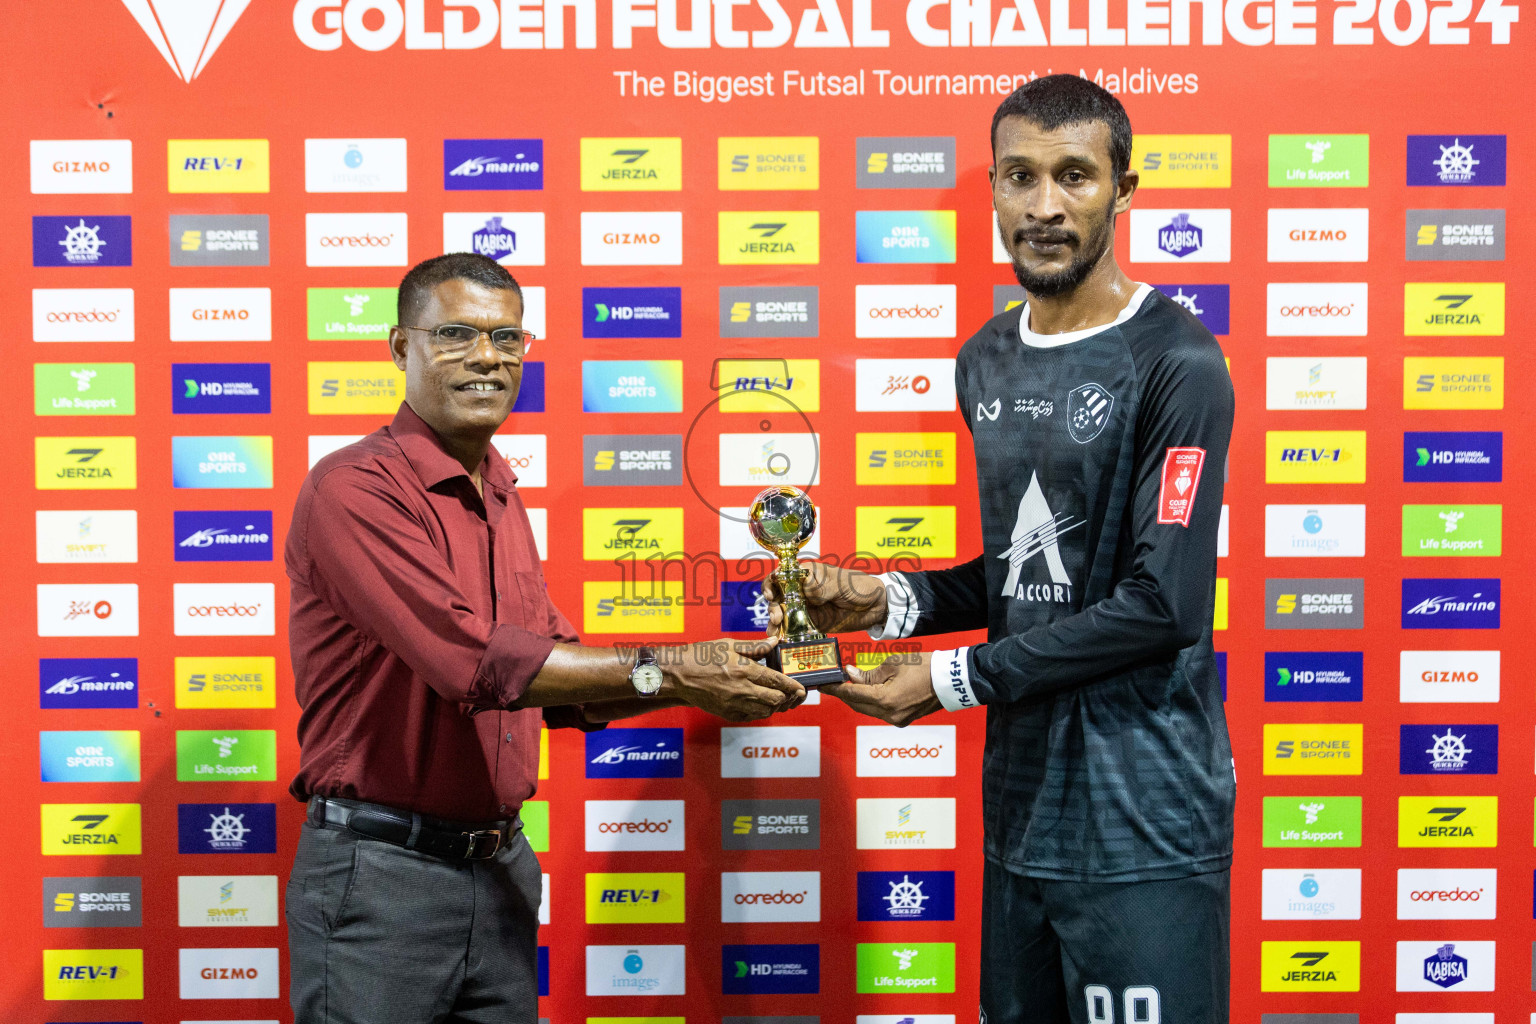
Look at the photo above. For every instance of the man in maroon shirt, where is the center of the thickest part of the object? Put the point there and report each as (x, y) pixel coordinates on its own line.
(425, 653)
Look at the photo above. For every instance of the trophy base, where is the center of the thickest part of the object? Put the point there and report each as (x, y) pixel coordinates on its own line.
(811, 663)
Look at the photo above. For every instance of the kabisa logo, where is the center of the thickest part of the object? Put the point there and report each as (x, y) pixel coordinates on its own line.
(906, 967)
(1453, 382)
(82, 314)
(68, 683)
(906, 895)
(625, 460)
(747, 896)
(1211, 304)
(221, 462)
(743, 607)
(82, 241)
(635, 825)
(513, 239)
(1453, 308)
(896, 162)
(1454, 677)
(771, 312)
(104, 902)
(93, 974)
(638, 533)
(769, 237)
(770, 824)
(1453, 456)
(1319, 161)
(226, 828)
(1450, 604)
(917, 750)
(773, 970)
(218, 536)
(1314, 675)
(1471, 821)
(227, 755)
(632, 165)
(1456, 159)
(1183, 161)
(83, 389)
(785, 163)
(1465, 235)
(91, 829)
(221, 388)
(350, 314)
(905, 236)
(219, 240)
(226, 682)
(1181, 236)
(635, 754)
(650, 898)
(81, 166)
(1445, 968)
(493, 164)
(1328, 821)
(632, 313)
(89, 756)
(1311, 965)
(632, 385)
(1037, 531)
(1448, 750)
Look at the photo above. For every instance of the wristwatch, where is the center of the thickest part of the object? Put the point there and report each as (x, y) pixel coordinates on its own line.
(645, 677)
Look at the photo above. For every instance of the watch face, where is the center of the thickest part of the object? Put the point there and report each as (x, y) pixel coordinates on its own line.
(647, 679)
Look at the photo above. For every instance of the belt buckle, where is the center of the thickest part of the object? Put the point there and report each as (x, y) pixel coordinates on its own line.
(471, 851)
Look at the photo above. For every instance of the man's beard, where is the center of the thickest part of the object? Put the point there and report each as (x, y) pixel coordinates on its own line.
(1061, 282)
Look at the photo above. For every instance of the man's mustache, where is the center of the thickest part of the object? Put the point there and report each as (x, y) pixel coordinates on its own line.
(1044, 237)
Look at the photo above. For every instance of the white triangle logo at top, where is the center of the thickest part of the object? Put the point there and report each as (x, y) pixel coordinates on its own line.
(186, 32)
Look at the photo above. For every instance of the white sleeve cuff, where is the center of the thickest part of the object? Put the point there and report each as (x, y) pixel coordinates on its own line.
(951, 675)
(901, 608)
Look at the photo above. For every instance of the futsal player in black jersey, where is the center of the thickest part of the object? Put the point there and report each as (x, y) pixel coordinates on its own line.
(1100, 413)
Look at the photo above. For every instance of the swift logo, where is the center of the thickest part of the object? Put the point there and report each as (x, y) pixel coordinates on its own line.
(187, 35)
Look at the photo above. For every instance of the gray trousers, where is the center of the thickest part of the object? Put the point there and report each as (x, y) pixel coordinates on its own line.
(378, 934)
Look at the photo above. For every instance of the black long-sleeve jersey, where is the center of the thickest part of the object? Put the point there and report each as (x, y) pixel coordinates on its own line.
(1100, 465)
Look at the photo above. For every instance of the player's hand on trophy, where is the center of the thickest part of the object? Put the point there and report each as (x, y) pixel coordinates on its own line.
(898, 691)
(723, 678)
(838, 600)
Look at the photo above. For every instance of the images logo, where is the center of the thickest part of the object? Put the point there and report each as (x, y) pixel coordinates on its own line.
(90, 829)
(223, 536)
(769, 385)
(69, 683)
(354, 165)
(906, 823)
(631, 312)
(1453, 382)
(242, 973)
(1448, 821)
(656, 898)
(1311, 965)
(109, 902)
(1448, 750)
(771, 237)
(93, 974)
(897, 162)
(632, 385)
(245, 682)
(1452, 677)
(226, 901)
(81, 166)
(632, 165)
(635, 970)
(82, 314)
(1451, 604)
(906, 967)
(87, 609)
(1453, 309)
(904, 385)
(355, 240)
(1310, 821)
(771, 752)
(226, 828)
(924, 530)
(775, 312)
(1314, 675)
(748, 163)
(918, 750)
(1210, 303)
(218, 165)
(223, 609)
(747, 896)
(89, 756)
(905, 236)
(770, 824)
(1183, 161)
(635, 754)
(221, 388)
(221, 463)
(1314, 456)
(1319, 161)
(1455, 235)
(82, 389)
(631, 239)
(244, 755)
(511, 239)
(1317, 895)
(493, 164)
(219, 240)
(1456, 159)
(1181, 236)
(82, 241)
(772, 970)
(1336, 382)
(1314, 749)
(221, 314)
(1314, 531)
(360, 388)
(1458, 530)
(906, 895)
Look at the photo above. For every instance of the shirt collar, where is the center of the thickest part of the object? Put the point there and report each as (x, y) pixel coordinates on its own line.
(430, 460)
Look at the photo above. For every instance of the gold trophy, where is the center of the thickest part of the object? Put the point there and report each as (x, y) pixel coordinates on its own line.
(782, 519)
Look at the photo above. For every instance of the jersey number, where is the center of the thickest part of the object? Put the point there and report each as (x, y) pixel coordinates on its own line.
(1139, 1002)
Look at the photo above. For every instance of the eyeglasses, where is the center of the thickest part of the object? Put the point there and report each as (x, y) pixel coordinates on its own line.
(458, 339)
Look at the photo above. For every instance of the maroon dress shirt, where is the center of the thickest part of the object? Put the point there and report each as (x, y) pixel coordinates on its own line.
(419, 613)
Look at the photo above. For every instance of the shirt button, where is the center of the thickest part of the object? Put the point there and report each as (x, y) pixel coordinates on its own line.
(509, 737)
(502, 808)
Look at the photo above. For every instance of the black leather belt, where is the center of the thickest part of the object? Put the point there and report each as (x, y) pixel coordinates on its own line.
(434, 836)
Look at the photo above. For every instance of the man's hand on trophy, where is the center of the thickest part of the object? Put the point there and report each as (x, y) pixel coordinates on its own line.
(723, 678)
(898, 691)
(838, 600)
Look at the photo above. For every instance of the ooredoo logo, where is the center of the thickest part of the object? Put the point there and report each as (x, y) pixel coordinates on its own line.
(905, 311)
(634, 825)
(770, 896)
(1447, 894)
(224, 609)
(919, 750)
(355, 239)
(1323, 309)
(525, 455)
(82, 314)
(790, 751)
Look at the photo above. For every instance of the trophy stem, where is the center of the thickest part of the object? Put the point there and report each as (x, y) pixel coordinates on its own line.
(797, 623)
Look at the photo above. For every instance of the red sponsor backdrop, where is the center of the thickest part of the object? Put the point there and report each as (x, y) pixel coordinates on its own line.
(88, 71)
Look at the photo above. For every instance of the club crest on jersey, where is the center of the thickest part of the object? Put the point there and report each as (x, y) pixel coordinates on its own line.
(1036, 532)
(1181, 479)
(1088, 408)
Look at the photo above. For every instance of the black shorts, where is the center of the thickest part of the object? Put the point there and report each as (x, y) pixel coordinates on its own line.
(1105, 953)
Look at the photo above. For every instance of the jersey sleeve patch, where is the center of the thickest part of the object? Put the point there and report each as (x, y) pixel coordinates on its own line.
(1181, 479)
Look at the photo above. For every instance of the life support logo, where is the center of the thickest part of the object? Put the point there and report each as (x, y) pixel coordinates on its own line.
(918, 750)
